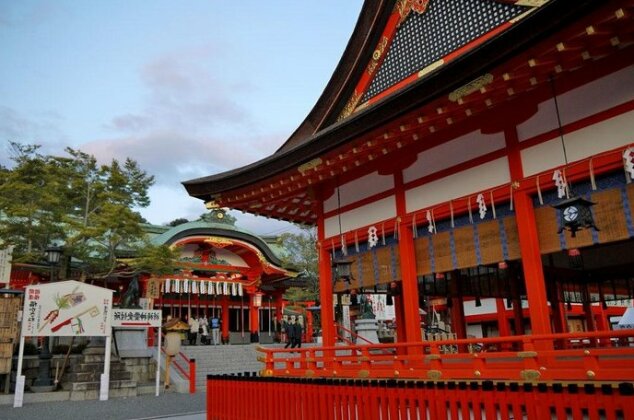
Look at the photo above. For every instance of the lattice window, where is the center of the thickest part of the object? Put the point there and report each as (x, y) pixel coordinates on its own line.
(425, 38)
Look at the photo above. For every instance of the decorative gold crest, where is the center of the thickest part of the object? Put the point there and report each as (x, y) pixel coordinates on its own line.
(420, 6)
(211, 204)
(218, 242)
(404, 7)
(530, 375)
(434, 375)
(470, 87)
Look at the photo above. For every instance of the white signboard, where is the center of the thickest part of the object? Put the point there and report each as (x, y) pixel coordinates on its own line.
(68, 308)
(131, 318)
(6, 255)
(381, 309)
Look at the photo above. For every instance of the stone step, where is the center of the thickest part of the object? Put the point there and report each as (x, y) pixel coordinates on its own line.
(95, 367)
(93, 385)
(90, 390)
(74, 377)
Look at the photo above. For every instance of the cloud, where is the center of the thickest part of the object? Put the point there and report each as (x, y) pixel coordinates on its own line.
(174, 156)
(42, 128)
(190, 124)
(184, 93)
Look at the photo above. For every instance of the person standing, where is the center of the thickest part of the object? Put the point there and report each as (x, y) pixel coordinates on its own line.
(297, 335)
(203, 329)
(193, 330)
(290, 333)
(215, 329)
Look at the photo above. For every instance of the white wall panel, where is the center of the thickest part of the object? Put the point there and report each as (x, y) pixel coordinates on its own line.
(469, 181)
(606, 135)
(359, 189)
(584, 101)
(454, 152)
(371, 213)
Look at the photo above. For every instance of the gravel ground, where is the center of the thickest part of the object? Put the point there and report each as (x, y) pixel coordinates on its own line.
(170, 405)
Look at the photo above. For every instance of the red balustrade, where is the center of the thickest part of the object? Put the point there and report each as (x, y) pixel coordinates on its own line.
(588, 356)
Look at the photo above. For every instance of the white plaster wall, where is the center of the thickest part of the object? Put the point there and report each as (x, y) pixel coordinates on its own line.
(366, 215)
(488, 306)
(454, 152)
(606, 135)
(584, 101)
(469, 181)
(359, 189)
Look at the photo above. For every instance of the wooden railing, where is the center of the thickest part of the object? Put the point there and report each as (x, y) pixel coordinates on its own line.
(590, 356)
(257, 398)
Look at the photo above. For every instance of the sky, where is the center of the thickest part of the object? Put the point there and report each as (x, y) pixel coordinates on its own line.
(186, 88)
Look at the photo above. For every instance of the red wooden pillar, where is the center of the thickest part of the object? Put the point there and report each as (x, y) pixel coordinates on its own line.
(309, 326)
(224, 325)
(279, 307)
(503, 323)
(458, 323)
(254, 318)
(399, 314)
(411, 312)
(325, 288)
(409, 279)
(529, 245)
(532, 264)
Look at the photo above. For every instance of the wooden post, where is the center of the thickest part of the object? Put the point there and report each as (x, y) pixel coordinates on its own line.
(168, 361)
(325, 288)
(224, 305)
(409, 282)
(532, 264)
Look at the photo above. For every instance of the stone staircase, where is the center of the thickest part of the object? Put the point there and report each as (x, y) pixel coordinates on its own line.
(82, 379)
(225, 359)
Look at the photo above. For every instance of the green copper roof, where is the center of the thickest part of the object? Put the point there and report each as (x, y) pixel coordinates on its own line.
(273, 251)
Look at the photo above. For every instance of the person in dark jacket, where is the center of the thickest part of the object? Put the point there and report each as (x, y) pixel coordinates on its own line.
(296, 340)
(289, 327)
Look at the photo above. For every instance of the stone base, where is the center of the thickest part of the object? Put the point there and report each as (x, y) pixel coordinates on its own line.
(366, 329)
(43, 388)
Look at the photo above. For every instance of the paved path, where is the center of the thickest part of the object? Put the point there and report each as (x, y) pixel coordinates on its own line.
(166, 406)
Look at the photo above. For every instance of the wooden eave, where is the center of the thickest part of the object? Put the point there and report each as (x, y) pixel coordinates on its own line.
(291, 184)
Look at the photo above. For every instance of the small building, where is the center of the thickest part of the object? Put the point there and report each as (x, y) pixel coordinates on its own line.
(225, 272)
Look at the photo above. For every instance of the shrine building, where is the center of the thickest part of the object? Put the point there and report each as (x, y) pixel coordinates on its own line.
(475, 156)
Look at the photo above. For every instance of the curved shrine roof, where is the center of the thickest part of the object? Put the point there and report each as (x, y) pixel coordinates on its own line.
(410, 69)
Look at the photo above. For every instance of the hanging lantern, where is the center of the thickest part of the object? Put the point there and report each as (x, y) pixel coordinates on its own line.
(575, 214)
(343, 270)
(257, 299)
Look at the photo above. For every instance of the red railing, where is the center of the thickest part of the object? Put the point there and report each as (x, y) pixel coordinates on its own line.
(359, 340)
(590, 356)
(339, 399)
(191, 365)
